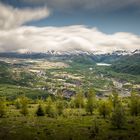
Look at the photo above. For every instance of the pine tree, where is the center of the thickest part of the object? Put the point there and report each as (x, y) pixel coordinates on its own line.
(40, 111)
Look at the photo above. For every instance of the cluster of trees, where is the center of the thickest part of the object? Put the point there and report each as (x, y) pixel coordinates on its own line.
(114, 108)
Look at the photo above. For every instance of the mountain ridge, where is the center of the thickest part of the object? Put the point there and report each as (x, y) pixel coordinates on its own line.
(61, 53)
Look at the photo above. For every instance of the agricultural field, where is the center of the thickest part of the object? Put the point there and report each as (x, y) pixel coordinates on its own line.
(47, 76)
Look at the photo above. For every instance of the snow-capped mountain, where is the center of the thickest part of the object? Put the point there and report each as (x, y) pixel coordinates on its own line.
(53, 53)
(78, 52)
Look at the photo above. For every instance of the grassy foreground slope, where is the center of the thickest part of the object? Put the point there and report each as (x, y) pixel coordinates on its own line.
(60, 119)
(72, 128)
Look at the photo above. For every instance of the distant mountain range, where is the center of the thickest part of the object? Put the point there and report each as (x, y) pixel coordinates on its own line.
(121, 61)
(65, 53)
(78, 52)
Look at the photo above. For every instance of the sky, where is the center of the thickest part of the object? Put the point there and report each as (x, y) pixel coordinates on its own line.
(69, 25)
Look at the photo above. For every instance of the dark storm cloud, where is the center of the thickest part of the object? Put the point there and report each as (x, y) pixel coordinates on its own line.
(94, 5)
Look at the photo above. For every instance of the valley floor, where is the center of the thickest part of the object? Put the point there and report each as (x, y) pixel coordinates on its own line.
(70, 80)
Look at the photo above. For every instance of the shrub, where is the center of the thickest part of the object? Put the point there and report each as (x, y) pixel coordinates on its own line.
(17, 103)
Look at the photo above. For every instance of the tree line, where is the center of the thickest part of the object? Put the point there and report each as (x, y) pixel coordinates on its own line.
(114, 107)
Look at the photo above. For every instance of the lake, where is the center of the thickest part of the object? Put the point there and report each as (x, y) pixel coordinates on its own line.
(103, 64)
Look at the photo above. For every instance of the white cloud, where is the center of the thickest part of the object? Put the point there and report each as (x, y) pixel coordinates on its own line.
(17, 38)
(81, 38)
(13, 17)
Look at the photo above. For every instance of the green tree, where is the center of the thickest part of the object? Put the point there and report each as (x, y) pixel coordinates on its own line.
(114, 98)
(91, 101)
(24, 105)
(118, 116)
(134, 104)
(105, 108)
(40, 111)
(50, 108)
(79, 99)
(72, 102)
(60, 107)
(2, 107)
